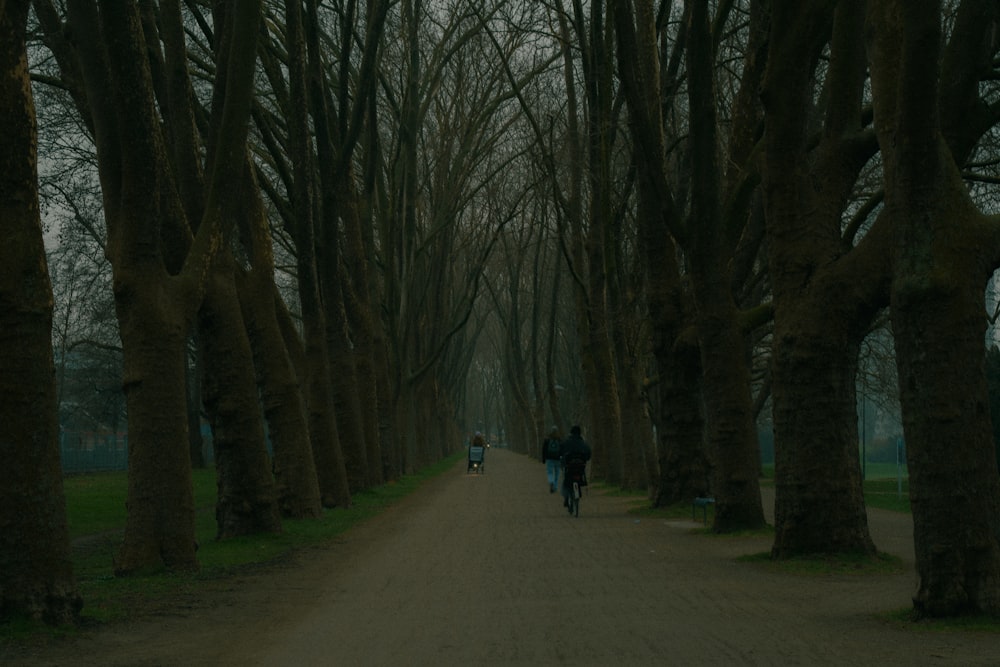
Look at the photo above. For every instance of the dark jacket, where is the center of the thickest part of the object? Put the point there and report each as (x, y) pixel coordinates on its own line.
(574, 447)
(546, 454)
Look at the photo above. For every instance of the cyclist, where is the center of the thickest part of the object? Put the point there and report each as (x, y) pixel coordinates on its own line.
(574, 448)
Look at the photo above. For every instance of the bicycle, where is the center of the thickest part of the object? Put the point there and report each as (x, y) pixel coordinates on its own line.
(576, 479)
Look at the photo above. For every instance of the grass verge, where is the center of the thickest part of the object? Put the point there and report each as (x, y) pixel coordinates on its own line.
(95, 506)
(827, 565)
(907, 620)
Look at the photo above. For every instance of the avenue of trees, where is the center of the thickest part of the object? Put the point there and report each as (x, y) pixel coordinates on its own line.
(344, 234)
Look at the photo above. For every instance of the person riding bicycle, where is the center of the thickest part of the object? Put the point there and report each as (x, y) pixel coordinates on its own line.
(574, 448)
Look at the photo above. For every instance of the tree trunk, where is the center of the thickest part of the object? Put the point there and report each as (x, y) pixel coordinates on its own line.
(937, 319)
(731, 430)
(157, 289)
(819, 506)
(636, 432)
(823, 304)
(297, 486)
(278, 376)
(685, 471)
(329, 269)
(361, 316)
(247, 500)
(683, 468)
(36, 574)
(330, 465)
(160, 526)
(390, 437)
(343, 380)
(590, 151)
(329, 461)
(943, 251)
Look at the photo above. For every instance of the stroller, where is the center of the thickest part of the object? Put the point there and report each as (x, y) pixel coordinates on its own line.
(477, 456)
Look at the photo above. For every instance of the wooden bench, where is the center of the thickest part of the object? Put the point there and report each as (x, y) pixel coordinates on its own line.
(703, 503)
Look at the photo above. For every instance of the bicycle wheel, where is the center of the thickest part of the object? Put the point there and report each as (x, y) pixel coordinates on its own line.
(575, 500)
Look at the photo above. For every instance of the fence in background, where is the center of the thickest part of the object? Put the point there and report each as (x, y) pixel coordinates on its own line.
(92, 452)
(96, 452)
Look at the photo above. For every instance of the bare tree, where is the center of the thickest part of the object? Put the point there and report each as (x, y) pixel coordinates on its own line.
(36, 576)
(158, 284)
(943, 250)
(826, 292)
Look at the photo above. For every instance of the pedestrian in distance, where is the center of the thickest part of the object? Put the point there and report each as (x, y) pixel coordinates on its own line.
(551, 452)
(477, 452)
(574, 451)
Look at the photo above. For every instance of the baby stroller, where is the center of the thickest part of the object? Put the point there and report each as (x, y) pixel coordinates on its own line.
(477, 457)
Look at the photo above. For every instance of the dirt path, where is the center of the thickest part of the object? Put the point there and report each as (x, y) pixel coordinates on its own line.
(490, 570)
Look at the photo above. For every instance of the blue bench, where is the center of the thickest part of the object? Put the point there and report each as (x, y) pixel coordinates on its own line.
(703, 503)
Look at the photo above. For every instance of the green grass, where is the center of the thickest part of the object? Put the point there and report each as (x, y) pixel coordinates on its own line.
(95, 503)
(906, 619)
(882, 488)
(825, 565)
(95, 507)
(885, 494)
(879, 493)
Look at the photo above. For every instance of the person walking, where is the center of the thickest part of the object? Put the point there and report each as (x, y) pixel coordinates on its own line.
(574, 448)
(551, 451)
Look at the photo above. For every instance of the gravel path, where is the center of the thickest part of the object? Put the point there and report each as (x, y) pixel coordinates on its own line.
(490, 570)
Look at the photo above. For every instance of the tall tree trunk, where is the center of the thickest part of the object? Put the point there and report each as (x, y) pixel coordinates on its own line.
(636, 432)
(552, 327)
(590, 156)
(284, 404)
(36, 574)
(343, 380)
(954, 482)
(943, 251)
(329, 461)
(280, 380)
(296, 483)
(824, 300)
(819, 506)
(285, 392)
(731, 430)
(362, 318)
(683, 468)
(149, 245)
(146, 223)
(247, 499)
(330, 465)
(607, 427)
(357, 111)
(160, 525)
(390, 437)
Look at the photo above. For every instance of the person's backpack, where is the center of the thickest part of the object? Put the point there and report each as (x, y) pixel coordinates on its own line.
(553, 448)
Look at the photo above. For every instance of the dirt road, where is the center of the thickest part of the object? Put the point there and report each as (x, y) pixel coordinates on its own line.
(490, 570)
